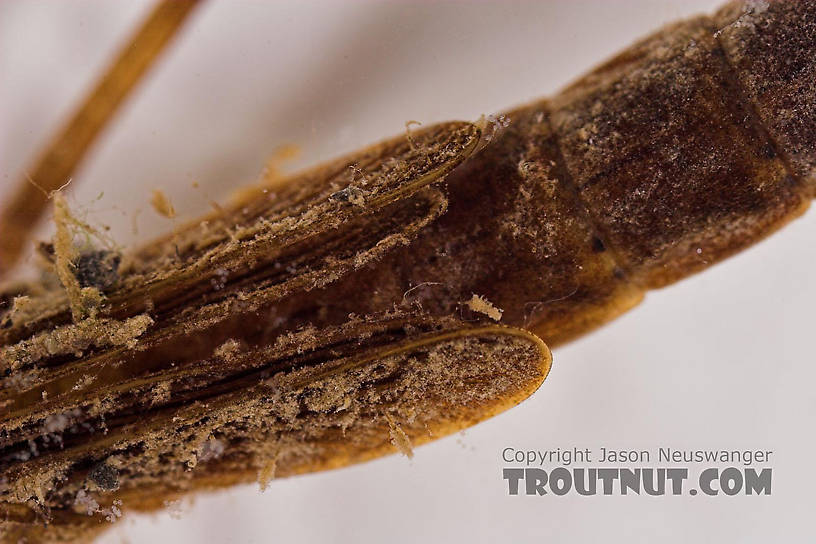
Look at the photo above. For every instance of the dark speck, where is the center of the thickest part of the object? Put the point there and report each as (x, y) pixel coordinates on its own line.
(769, 151)
(105, 476)
(349, 195)
(98, 268)
(598, 245)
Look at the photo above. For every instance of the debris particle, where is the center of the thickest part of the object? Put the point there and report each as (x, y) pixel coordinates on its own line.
(105, 476)
(21, 307)
(282, 155)
(272, 177)
(174, 508)
(81, 383)
(267, 472)
(500, 121)
(399, 439)
(46, 251)
(408, 125)
(114, 512)
(162, 204)
(350, 195)
(56, 423)
(491, 126)
(160, 394)
(80, 274)
(484, 306)
(212, 448)
(90, 506)
(98, 268)
(86, 502)
(228, 350)
(74, 339)
(274, 171)
(64, 255)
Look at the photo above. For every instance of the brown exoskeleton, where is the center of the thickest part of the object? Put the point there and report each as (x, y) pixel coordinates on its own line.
(355, 311)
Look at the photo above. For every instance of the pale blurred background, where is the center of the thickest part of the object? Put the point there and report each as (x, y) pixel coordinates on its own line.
(722, 360)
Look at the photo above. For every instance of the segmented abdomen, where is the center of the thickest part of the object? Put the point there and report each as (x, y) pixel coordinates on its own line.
(684, 149)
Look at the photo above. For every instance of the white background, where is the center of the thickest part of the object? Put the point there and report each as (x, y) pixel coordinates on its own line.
(721, 360)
